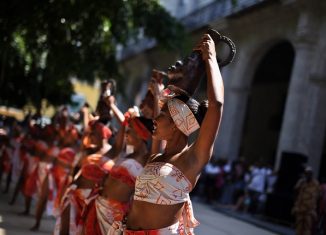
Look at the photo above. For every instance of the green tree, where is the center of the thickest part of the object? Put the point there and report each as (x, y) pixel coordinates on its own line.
(44, 43)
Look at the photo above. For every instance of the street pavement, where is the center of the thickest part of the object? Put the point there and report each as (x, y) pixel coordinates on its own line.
(11, 223)
(211, 222)
(215, 223)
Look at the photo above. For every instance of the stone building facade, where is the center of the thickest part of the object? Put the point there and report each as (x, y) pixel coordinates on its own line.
(276, 86)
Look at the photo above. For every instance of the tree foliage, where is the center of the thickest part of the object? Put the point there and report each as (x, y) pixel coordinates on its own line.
(44, 43)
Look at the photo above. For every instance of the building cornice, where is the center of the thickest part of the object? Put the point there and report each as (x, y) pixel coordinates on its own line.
(197, 19)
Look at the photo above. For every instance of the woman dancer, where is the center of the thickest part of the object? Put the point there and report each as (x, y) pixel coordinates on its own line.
(93, 167)
(162, 190)
(113, 202)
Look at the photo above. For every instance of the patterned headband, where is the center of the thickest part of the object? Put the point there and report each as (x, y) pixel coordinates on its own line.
(182, 116)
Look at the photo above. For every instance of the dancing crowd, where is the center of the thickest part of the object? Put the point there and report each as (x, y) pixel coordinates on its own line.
(130, 178)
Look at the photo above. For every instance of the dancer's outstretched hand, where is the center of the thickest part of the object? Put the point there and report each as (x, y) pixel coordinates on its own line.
(156, 84)
(110, 100)
(207, 47)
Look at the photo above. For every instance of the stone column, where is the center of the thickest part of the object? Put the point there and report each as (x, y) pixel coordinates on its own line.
(303, 124)
(229, 141)
(237, 88)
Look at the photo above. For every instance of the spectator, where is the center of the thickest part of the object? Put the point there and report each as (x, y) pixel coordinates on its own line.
(271, 180)
(304, 210)
(257, 187)
(322, 208)
(211, 171)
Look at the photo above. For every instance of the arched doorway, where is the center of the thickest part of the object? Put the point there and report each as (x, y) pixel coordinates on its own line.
(266, 102)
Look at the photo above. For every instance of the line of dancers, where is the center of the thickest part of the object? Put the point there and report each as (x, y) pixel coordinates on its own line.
(135, 180)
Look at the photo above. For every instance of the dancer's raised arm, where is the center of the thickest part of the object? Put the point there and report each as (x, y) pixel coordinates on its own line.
(156, 87)
(119, 139)
(110, 101)
(204, 144)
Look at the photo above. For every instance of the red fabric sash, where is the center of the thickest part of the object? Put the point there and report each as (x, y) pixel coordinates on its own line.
(30, 186)
(6, 163)
(91, 226)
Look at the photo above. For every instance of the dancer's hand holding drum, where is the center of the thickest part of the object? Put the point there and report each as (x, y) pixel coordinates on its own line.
(207, 47)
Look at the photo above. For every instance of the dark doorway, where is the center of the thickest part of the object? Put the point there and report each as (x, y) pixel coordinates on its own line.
(266, 102)
(322, 170)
